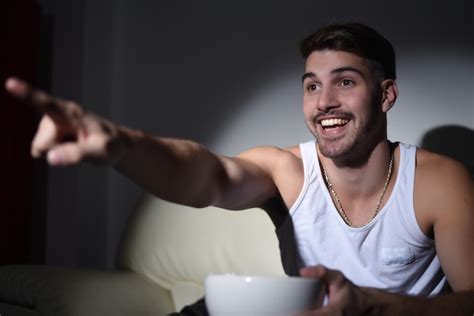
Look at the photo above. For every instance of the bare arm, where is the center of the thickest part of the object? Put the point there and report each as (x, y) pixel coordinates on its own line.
(185, 172)
(180, 171)
(384, 303)
(445, 192)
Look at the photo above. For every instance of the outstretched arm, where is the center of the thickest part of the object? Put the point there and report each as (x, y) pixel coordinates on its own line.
(185, 172)
(180, 171)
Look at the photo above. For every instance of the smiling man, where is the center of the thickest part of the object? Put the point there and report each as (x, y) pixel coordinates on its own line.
(386, 225)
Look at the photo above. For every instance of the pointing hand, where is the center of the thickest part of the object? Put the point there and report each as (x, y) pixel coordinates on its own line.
(67, 134)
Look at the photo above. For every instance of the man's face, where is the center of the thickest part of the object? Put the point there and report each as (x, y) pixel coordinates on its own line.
(342, 103)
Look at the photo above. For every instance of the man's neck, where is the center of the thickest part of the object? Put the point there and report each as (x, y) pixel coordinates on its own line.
(364, 180)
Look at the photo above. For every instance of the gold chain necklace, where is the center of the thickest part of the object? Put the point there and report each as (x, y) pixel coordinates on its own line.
(338, 201)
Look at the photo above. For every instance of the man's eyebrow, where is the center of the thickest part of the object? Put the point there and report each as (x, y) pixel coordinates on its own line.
(308, 75)
(334, 71)
(348, 68)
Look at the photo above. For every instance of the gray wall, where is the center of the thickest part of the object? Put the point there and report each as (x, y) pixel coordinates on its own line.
(227, 74)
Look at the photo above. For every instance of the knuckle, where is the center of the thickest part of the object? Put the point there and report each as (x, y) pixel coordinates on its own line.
(73, 109)
(339, 278)
(39, 97)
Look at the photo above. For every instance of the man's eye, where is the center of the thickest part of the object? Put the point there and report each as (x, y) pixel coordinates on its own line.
(312, 87)
(346, 82)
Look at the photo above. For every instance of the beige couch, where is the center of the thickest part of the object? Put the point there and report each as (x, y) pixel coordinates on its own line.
(166, 253)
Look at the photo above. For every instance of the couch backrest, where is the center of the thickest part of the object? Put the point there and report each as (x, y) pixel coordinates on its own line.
(178, 246)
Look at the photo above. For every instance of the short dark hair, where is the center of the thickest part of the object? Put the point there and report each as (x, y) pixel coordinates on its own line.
(355, 38)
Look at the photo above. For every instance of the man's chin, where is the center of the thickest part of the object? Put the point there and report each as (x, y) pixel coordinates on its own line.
(333, 149)
(332, 152)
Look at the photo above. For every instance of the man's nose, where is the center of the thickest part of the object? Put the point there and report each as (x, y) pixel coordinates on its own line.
(327, 99)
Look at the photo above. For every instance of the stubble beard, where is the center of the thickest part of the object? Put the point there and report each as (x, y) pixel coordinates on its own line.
(354, 148)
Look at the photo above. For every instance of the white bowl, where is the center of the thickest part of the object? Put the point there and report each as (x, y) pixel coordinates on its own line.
(258, 295)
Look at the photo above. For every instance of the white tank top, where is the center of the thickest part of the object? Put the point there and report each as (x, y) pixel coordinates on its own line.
(391, 252)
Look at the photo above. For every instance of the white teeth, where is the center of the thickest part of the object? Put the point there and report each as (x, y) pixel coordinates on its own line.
(333, 122)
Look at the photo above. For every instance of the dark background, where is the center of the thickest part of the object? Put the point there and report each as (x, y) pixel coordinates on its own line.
(225, 73)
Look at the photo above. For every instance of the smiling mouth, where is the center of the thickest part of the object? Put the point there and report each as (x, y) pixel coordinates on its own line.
(333, 122)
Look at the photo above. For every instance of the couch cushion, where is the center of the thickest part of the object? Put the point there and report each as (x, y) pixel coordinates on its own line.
(76, 292)
(185, 293)
(173, 244)
(15, 310)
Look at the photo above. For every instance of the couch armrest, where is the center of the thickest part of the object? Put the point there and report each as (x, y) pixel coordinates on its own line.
(74, 292)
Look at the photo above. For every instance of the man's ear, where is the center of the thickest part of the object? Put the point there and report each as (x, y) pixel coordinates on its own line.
(389, 94)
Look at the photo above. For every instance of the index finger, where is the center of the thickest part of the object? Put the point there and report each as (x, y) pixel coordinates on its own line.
(37, 98)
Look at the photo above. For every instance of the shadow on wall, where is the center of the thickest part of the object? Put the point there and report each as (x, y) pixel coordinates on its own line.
(453, 141)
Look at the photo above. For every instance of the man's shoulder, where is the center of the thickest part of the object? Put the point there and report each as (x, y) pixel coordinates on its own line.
(437, 166)
(272, 154)
(285, 167)
(279, 162)
(441, 182)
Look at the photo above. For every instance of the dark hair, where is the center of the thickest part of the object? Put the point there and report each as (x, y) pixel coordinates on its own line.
(354, 38)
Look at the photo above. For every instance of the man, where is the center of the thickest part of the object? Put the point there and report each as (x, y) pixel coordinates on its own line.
(367, 216)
